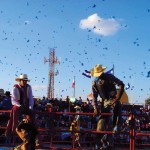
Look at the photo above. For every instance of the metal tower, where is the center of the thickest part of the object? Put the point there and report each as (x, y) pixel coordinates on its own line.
(52, 61)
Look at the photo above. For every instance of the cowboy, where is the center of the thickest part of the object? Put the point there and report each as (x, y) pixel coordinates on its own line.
(22, 101)
(105, 85)
(75, 126)
(27, 133)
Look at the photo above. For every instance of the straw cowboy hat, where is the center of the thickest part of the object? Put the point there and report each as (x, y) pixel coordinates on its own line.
(22, 77)
(77, 107)
(49, 105)
(97, 71)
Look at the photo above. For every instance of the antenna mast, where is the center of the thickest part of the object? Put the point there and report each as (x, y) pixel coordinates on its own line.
(52, 61)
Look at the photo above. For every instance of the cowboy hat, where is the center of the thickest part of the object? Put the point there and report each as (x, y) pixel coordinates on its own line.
(77, 107)
(97, 71)
(49, 105)
(22, 77)
(7, 93)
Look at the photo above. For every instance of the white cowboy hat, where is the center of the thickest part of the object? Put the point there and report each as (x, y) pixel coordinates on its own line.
(77, 107)
(97, 71)
(49, 104)
(22, 77)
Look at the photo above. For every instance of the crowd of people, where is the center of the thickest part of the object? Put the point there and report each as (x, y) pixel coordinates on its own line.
(58, 105)
(86, 122)
(107, 91)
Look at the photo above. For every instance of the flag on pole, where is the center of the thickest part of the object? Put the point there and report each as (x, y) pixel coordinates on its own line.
(73, 83)
(111, 71)
(86, 73)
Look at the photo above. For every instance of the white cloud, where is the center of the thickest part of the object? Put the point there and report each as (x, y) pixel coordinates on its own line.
(100, 25)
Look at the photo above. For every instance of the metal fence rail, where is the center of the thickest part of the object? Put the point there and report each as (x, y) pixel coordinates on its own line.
(50, 133)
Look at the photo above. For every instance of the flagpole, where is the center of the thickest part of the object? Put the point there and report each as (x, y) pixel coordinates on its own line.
(74, 88)
(113, 68)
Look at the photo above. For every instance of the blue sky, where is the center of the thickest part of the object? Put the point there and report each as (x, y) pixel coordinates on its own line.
(84, 33)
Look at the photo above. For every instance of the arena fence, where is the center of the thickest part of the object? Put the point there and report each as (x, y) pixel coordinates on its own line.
(50, 131)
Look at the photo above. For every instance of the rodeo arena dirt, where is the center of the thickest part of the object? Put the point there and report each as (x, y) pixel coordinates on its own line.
(62, 127)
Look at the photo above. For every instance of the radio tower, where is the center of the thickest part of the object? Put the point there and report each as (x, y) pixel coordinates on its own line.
(52, 61)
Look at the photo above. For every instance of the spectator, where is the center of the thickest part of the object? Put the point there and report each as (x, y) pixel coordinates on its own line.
(80, 101)
(22, 100)
(85, 107)
(67, 104)
(6, 103)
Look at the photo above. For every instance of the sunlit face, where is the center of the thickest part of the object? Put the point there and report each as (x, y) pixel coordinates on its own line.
(23, 82)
